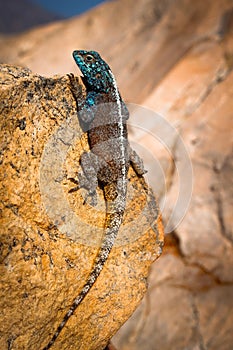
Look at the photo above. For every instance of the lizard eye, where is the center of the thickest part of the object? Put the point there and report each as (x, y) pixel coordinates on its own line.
(89, 58)
(98, 76)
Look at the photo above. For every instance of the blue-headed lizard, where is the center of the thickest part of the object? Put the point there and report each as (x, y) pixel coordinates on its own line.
(103, 116)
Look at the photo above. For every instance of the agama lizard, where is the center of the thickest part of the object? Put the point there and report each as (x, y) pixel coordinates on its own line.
(103, 115)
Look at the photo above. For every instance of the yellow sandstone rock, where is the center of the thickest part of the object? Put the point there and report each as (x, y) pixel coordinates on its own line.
(49, 238)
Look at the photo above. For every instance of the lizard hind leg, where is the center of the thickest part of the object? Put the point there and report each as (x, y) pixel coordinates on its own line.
(136, 162)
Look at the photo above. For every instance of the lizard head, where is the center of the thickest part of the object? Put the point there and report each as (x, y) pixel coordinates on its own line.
(96, 72)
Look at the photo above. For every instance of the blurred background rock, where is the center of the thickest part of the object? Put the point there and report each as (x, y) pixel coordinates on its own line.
(174, 57)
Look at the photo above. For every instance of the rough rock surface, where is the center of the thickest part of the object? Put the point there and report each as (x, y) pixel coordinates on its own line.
(49, 238)
(175, 57)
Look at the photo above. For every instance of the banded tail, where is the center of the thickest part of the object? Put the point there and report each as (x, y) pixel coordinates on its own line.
(113, 221)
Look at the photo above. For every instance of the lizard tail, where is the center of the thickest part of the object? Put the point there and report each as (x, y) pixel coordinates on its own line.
(114, 217)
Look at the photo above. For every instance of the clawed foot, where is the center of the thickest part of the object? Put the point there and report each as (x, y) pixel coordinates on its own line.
(82, 182)
(91, 198)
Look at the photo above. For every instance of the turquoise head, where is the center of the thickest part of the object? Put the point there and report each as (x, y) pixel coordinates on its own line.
(96, 72)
